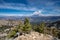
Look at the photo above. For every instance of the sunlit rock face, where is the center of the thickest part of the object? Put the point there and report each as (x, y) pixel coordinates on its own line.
(34, 36)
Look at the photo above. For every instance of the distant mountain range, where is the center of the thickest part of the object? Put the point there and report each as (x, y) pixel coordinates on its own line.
(45, 18)
(34, 18)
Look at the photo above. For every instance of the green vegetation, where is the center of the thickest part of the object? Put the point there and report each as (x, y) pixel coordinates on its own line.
(58, 34)
(11, 34)
(26, 28)
(54, 32)
(40, 28)
(3, 27)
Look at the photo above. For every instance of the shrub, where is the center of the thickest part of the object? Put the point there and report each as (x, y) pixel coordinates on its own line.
(27, 26)
(11, 34)
(58, 35)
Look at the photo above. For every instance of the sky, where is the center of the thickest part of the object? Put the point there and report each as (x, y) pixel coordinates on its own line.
(29, 7)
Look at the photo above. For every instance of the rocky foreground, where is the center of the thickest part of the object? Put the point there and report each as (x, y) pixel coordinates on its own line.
(34, 36)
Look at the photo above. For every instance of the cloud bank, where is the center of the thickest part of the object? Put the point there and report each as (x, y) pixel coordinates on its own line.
(30, 7)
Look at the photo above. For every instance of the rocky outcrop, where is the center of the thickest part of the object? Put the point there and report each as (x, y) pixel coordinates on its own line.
(34, 36)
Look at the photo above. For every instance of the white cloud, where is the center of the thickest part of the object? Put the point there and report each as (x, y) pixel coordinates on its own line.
(11, 15)
(15, 15)
(49, 3)
(39, 12)
(17, 6)
(52, 14)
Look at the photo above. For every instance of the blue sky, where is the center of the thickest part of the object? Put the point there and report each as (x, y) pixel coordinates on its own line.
(30, 7)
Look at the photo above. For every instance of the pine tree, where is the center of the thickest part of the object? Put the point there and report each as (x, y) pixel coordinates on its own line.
(41, 27)
(54, 31)
(27, 26)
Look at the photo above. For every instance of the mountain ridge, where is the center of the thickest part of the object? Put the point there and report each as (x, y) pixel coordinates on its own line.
(32, 18)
